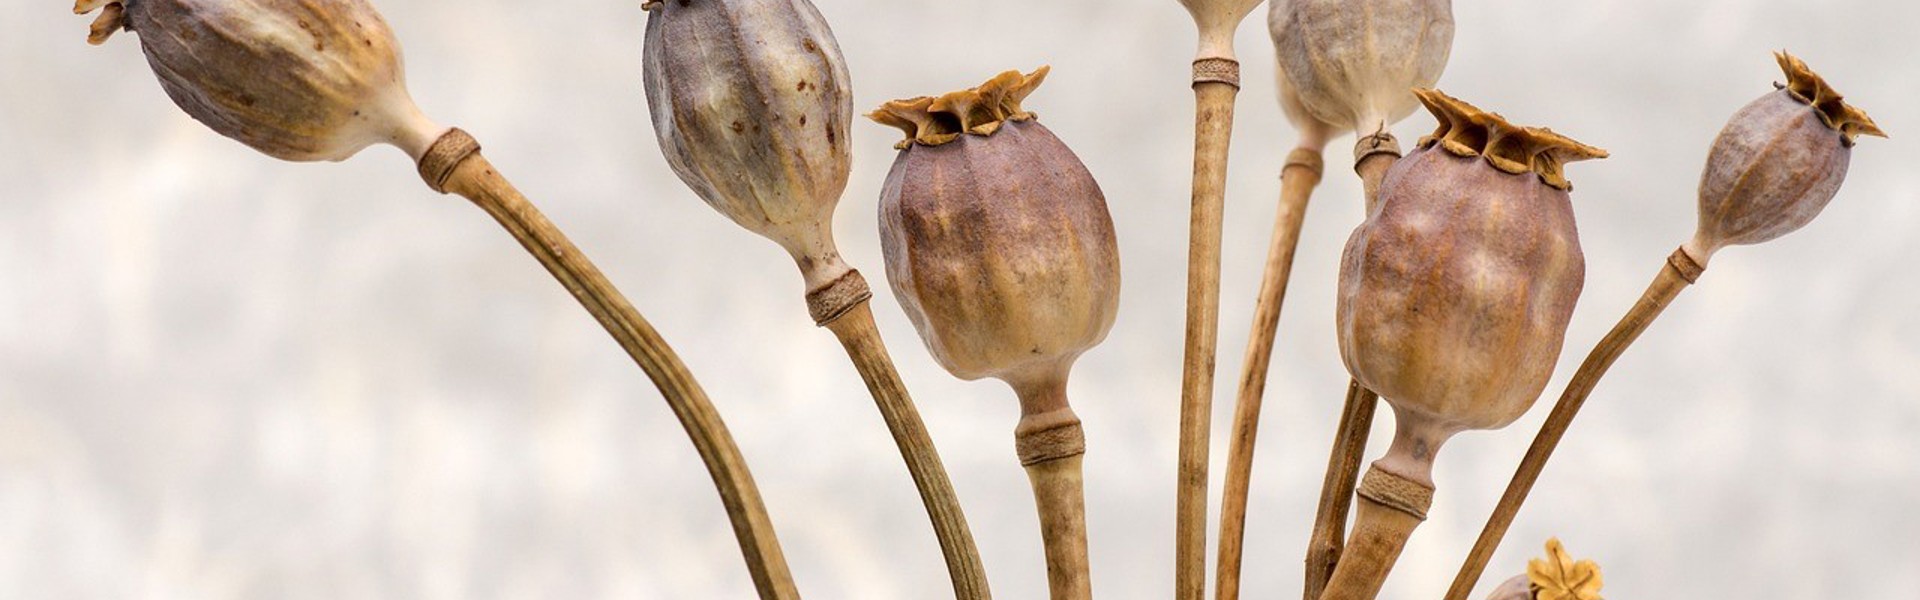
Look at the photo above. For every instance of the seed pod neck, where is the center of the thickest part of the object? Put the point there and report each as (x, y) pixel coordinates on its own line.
(1416, 440)
(980, 110)
(1811, 89)
(1465, 130)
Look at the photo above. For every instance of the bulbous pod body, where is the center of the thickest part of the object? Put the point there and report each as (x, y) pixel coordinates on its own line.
(1777, 163)
(296, 80)
(1456, 292)
(1352, 63)
(751, 102)
(998, 242)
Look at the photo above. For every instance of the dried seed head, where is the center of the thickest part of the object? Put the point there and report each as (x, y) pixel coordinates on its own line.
(1456, 292)
(1516, 588)
(1777, 162)
(1351, 63)
(296, 80)
(751, 103)
(997, 239)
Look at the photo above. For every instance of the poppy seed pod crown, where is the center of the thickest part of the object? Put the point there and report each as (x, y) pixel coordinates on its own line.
(1456, 292)
(751, 102)
(997, 240)
(1777, 163)
(299, 81)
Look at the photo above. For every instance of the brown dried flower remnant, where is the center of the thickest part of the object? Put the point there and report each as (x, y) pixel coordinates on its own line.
(299, 81)
(1777, 163)
(1559, 577)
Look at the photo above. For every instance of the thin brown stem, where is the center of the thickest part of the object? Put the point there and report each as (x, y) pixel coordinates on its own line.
(1372, 156)
(861, 338)
(1680, 271)
(1380, 532)
(1213, 126)
(454, 165)
(1336, 491)
(1297, 180)
(1050, 444)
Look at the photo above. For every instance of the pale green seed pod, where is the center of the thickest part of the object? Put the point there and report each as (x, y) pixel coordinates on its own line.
(751, 103)
(299, 81)
(1777, 163)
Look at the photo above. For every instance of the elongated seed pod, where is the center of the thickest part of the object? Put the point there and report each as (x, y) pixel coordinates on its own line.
(299, 81)
(1777, 163)
(1353, 64)
(751, 102)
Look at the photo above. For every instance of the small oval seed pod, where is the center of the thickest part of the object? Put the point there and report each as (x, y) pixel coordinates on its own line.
(1454, 300)
(299, 81)
(751, 102)
(1353, 65)
(1777, 163)
(1000, 248)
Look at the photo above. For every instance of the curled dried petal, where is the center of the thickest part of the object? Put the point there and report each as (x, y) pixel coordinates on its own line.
(1559, 577)
(1465, 130)
(979, 110)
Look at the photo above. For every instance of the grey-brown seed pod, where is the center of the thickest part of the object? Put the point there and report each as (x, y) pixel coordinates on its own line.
(1000, 248)
(997, 239)
(299, 81)
(751, 102)
(1777, 163)
(1454, 300)
(1352, 64)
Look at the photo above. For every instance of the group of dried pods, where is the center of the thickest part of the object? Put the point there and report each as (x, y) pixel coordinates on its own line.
(1454, 294)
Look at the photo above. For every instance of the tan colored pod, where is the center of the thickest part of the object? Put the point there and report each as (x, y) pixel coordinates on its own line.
(299, 81)
(1777, 162)
(1456, 292)
(997, 239)
(1353, 64)
(751, 102)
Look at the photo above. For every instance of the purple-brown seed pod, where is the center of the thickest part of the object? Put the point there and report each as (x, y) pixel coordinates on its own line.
(1351, 64)
(1000, 248)
(299, 81)
(751, 102)
(1777, 163)
(997, 239)
(1454, 300)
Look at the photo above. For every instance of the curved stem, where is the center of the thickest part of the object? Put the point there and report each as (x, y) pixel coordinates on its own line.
(1680, 271)
(1213, 126)
(855, 328)
(1336, 490)
(1298, 177)
(454, 165)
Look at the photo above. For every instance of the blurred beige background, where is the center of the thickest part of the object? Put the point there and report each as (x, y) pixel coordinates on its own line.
(223, 376)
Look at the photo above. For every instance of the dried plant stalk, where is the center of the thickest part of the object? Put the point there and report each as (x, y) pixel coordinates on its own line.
(1336, 491)
(453, 164)
(1299, 176)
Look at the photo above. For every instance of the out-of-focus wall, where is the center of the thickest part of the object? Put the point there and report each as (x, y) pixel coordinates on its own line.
(223, 376)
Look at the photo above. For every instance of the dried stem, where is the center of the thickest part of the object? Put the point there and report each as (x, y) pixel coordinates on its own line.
(1372, 156)
(1379, 534)
(1298, 177)
(1393, 499)
(1050, 445)
(453, 164)
(1336, 491)
(1680, 270)
(1213, 126)
(861, 338)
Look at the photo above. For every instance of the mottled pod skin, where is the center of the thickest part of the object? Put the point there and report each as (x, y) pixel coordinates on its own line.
(298, 80)
(1456, 292)
(1352, 63)
(1777, 163)
(997, 240)
(751, 102)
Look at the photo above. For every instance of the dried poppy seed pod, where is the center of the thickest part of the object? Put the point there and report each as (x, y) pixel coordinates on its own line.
(299, 81)
(1352, 64)
(1000, 248)
(1454, 300)
(751, 102)
(1777, 163)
